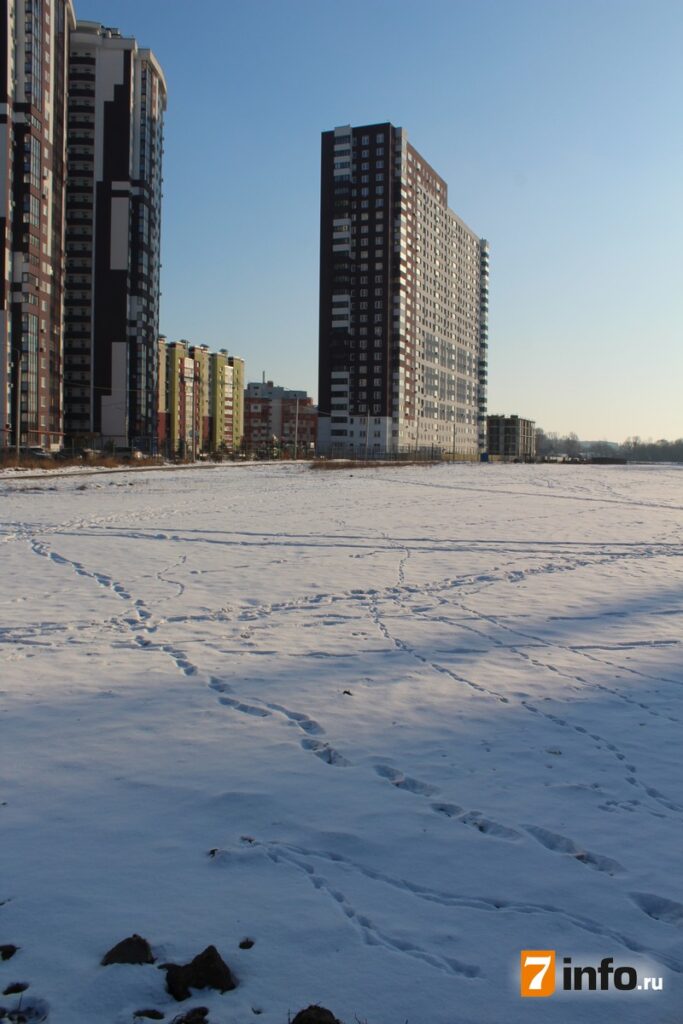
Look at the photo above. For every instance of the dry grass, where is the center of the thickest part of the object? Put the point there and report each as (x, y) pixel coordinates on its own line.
(370, 464)
(52, 465)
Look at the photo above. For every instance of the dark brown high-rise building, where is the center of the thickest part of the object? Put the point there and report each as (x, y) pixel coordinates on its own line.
(33, 83)
(403, 302)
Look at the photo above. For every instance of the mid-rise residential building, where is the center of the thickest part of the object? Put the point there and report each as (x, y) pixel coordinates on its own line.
(195, 399)
(201, 355)
(33, 88)
(220, 402)
(403, 302)
(510, 437)
(182, 391)
(162, 406)
(276, 417)
(117, 98)
(238, 381)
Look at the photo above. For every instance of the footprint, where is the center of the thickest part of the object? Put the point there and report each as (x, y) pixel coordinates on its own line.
(562, 844)
(309, 725)
(488, 827)
(659, 908)
(221, 687)
(656, 795)
(186, 666)
(325, 752)
(246, 709)
(402, 781)
(449, 810)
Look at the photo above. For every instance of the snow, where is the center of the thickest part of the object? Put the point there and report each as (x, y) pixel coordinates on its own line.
(504, 774)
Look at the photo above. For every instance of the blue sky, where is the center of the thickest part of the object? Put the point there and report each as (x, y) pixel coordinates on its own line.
(556, 123)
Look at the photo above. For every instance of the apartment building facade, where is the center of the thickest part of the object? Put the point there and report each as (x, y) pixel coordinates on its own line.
(217, 401)
(202, 356)
(511, 437)
(279, 418)
(33, 90)
(117, 99)
(182, 399)
(195, 399)
(403, 332)
(236, 364)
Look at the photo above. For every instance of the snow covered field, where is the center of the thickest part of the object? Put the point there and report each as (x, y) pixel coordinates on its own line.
(424, 718)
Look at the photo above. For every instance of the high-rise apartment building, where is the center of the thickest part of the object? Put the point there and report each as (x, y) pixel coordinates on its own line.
(33, 82)
(403, 302)
(117, 98)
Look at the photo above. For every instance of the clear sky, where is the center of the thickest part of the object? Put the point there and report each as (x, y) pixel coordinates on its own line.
(556, 123)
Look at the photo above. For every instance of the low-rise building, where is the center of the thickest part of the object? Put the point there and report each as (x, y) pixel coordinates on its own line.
(510, 437)
(280, 419)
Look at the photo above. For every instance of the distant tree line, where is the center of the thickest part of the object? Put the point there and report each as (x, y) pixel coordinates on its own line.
(633, 448)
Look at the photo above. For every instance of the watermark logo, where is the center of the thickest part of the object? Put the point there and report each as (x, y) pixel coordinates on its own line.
(540, 977)
(537, 972)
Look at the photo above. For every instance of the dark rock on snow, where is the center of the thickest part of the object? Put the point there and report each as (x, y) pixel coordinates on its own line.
(246, 943)
(15, 988)
(207, 970)
(315, 1015)
(197, 1015)
(8, 951)
(133, 950)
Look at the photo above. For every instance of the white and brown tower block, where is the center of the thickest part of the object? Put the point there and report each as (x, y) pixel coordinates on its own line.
(403, 302)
